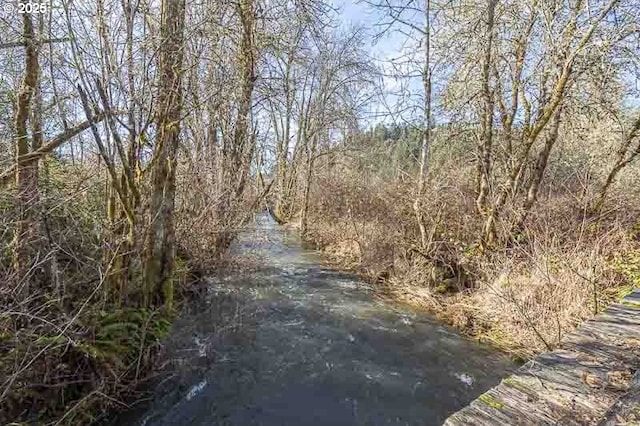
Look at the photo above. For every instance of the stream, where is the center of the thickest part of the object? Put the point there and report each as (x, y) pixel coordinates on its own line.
(287, 340)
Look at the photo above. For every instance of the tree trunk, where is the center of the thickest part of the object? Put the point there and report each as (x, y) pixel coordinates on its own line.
(538, 172)
(239, 145)
(426, 130)
(26, 174)
(486, 135)
(285, 173)
(304, 217)
(159, 260)
(130, 167)
(622, 160)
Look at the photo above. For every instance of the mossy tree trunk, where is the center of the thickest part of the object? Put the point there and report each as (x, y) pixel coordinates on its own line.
(26, 174)
(160, 245)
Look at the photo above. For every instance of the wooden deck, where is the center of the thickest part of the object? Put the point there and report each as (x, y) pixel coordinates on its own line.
(592, 379)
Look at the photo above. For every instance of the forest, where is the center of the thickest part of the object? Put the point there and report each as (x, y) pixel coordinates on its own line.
(478, 159)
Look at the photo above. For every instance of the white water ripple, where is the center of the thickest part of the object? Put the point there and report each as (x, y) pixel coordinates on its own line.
(196, 390)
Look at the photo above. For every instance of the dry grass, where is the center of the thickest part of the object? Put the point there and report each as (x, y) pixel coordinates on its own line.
(522, 298)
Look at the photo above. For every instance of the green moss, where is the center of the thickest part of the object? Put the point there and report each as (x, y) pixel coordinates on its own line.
(442, 288)
(630, 304)
(624, 291)
(628, 264)
(511, 381)
(167, 290)
(496, 337)
(490, 401)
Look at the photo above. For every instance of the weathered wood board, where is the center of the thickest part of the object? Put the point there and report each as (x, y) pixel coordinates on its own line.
(589, 380)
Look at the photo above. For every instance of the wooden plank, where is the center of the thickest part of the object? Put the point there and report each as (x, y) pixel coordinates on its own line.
(626, 411)
(588, 380)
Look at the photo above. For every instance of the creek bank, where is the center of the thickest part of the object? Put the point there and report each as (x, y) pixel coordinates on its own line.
(521, 308)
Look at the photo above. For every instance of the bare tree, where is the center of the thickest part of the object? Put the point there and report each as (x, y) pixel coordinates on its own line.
(395, 16)
(488, 100)
(625, 155)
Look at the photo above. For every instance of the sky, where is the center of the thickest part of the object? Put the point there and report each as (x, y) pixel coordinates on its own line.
(358, 13)
(354, 13)
(382, 51)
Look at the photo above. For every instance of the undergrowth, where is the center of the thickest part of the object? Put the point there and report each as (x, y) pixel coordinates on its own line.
(73, 372)
(523, 297)
(77, 345)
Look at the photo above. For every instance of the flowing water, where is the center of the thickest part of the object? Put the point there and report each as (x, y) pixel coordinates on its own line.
(290, 341)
